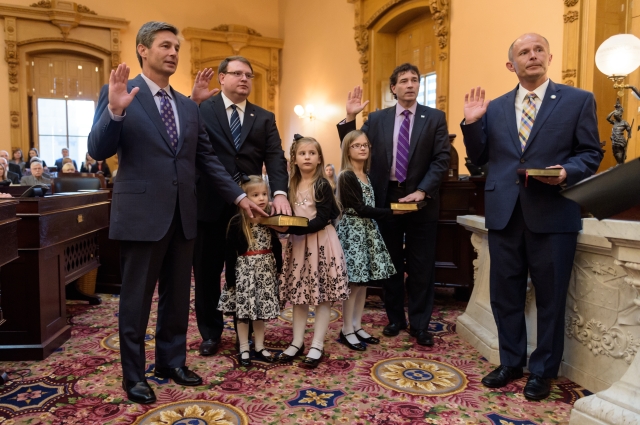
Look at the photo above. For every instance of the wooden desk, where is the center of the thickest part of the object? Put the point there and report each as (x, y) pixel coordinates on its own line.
(8, 248)
(57, 243)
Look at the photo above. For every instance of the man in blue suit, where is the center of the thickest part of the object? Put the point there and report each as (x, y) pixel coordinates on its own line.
(155, 219)
(65, 154)
(532, 229)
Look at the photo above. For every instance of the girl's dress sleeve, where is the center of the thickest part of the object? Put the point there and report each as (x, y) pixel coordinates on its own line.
(351, 197)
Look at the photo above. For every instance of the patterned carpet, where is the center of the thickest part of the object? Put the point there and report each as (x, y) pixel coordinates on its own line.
(396, 382)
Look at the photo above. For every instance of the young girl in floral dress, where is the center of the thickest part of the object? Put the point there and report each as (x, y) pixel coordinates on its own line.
(314, 271)
(253, 259)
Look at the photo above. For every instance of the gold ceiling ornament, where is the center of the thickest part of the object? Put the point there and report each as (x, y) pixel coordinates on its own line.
(570, 3)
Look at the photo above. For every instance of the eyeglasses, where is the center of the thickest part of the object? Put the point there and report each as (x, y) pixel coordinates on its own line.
(360, 146)
(239, 74)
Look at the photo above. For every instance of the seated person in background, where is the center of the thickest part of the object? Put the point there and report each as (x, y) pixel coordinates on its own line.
(87, 164)
(97, 167)
(60, 161)
(3, 174)
(33, 153)
(14, 168)
(8, 174)
(36, 176)
(18, 159)
(68, 168)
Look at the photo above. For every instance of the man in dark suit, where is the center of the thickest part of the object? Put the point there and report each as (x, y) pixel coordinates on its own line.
(59, 161)
(15, 178)
(244, 137)
(409, 157)
(532, 229)
(155, 220)
(13, 167)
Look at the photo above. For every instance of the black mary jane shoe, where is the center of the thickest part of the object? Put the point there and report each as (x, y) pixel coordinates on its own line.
(244, 362)
(357, 347)
(310, 363)
(369, 340)
(263, 358)
(284, 358)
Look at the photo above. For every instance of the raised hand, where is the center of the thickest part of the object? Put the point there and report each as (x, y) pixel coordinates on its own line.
(201, 91)
(354, 103)
(475, 106)
(119, 98)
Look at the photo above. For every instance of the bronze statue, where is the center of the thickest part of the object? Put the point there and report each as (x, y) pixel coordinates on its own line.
(618, 140)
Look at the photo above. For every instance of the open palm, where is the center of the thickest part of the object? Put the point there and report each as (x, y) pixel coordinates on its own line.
(119, 98)
(475, 105)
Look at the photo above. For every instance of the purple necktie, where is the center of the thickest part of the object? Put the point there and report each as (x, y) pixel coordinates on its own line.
(168, 118)
(402, 152)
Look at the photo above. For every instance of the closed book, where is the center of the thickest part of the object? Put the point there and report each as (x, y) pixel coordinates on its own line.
(285, 220)
(540, 172)
(408, 206)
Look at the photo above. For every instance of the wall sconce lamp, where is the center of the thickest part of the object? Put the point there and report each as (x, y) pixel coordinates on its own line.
(306, 112)
(617, 57)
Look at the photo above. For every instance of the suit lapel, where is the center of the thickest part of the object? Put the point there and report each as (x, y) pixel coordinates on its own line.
(418, 125)
(247, 122)
(387, 125)
(183, 119)
(548, 105)
(145, 98)
(509, 107)
(220, 112)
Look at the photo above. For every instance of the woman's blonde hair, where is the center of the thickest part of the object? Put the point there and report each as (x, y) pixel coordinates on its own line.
(346, 147)
(333, 181)
(3, 175)
(68, 166)
(245, 221)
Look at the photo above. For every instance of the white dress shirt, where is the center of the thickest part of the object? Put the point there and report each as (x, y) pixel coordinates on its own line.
(521, 97)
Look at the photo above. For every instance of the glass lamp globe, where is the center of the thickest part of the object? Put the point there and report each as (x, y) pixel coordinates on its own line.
(619, 55)
(299, 110)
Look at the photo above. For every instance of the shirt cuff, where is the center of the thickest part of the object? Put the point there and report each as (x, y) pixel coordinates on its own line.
(240, 198)
(116, 117)
(280, 192)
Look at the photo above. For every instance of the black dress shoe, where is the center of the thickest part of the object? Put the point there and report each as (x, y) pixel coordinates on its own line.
(357, 347)
(424, 337)
(284, 358)
(501, 376)
(310, 363)
(537, 388)
(264, 358)
(138, 391)
(180, 375)
(368, 340)
(393, 329)
(244, 362)
(209, 347)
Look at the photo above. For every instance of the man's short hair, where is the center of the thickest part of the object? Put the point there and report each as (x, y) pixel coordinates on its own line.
(514, 42)
(401, 69)
(222, 68)
(35, 160)
(147, 34)
(65, 149)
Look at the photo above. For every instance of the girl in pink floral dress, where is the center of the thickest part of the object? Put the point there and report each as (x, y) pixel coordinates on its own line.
(314, 271)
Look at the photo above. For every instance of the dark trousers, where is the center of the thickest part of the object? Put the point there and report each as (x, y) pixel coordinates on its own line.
(168, 262)
(208, 263)
(419, 241)
(548, 258)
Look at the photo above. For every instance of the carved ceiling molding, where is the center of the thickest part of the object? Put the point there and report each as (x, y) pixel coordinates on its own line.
(209, 47)
(364, 33)
(39, 17)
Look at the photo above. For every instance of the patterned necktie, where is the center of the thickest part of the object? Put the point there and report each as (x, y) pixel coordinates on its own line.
(236, 127)
(168, 118)
(402, 153)
(528, 117)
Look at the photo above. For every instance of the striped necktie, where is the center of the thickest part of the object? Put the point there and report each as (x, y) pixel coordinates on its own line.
(236, 127)
(528, 117)
(402, 151)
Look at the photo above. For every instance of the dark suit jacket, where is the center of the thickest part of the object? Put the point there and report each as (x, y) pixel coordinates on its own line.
(429, 155)
(15, 168)
(15, 178)
(144, 200)
(565, 132)
(59, 164)
(259, 142)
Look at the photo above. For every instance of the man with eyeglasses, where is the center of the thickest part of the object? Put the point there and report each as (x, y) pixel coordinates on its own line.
(244, 136)
(409, 157)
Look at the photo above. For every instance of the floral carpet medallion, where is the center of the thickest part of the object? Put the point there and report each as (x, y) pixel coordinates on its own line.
(419, 376)
(497, 419)
(315, 398)
(33, 396)
(194, 412)
(112, 342)
(287, 315)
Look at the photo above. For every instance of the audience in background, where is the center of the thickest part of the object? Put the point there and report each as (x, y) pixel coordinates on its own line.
(3, 173)
(8, 174)
(92, 166)
(33, 153)
(87, 164)
(14, 168)
(36, 176)
(65, 155)
(18, 159)
(68, 168)
(330, 171)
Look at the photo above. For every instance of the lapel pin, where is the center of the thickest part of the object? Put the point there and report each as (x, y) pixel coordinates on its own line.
(252, 114)
(421, 116)
(553, 96)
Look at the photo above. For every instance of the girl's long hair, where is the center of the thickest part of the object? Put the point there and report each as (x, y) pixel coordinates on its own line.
(345, 163)
(295, 176)
(245, 223)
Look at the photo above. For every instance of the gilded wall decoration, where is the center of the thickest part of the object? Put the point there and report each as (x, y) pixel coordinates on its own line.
(571, 16)
(568, 73)
(42, 3)
(15, 119)
(439, 11)
(85, 9)
(362, 46)
(570, 3)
